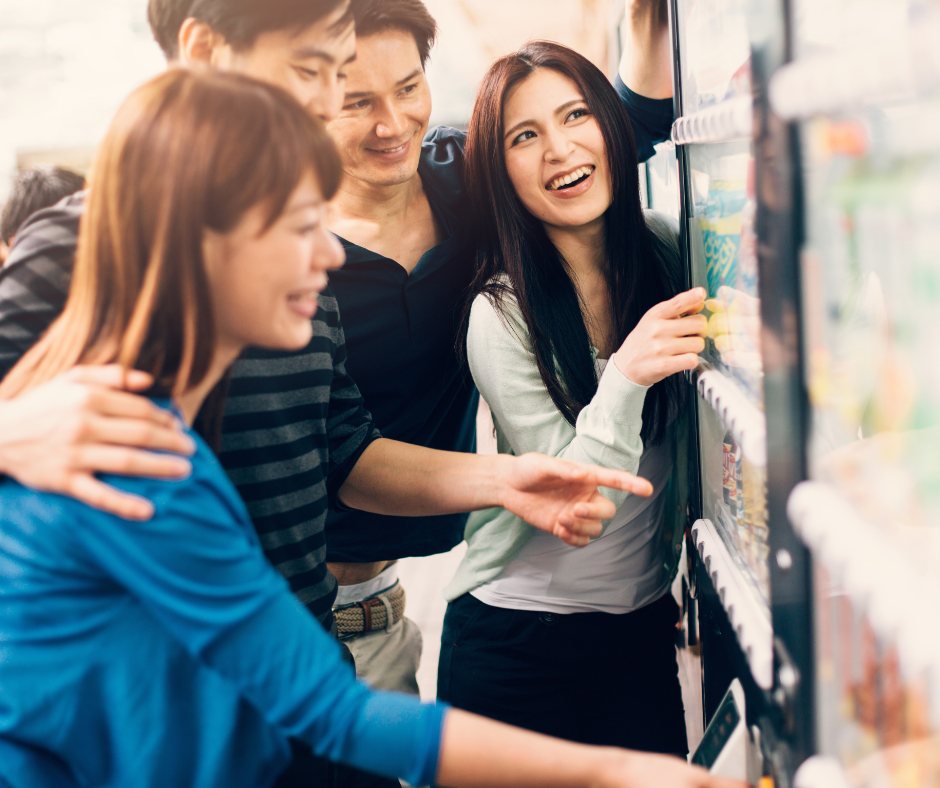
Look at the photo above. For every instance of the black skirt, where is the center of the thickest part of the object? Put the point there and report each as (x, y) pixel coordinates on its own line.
(596, 678)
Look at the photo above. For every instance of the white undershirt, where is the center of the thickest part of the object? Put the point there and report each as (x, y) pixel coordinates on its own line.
(359, 592)
(620, 571)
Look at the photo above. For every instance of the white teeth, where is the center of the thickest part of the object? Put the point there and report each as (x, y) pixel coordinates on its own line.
(565, 180)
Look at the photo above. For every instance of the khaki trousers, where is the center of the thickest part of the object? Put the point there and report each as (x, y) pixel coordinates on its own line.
(388, 659)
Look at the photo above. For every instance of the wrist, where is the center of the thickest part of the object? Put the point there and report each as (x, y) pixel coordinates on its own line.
(608, 767)
(499, 471)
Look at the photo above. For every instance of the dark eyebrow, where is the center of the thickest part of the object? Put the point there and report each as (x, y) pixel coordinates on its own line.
(558, 111)
(304, 53)
(411, 76)
(353, 97)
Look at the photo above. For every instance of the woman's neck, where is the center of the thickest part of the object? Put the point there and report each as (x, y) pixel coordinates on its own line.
(583, 248)
(191, 401)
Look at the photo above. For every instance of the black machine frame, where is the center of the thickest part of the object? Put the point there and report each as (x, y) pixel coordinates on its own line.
(785, 715)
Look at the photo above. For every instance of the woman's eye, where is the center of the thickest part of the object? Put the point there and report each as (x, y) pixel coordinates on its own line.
(307, 73)
(357, 105)
(308, 229)
(578, 113)
(526, 135)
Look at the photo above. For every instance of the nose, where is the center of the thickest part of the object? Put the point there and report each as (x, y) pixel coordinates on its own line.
(328, 253)
(557, 145)
(392, 124)
(326, 100)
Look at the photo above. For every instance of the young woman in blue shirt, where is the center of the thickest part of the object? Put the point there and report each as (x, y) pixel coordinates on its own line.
(169, 652)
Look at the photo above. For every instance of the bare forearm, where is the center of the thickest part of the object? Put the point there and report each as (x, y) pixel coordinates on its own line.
(481, 753)
(411, 481)
(646, 65)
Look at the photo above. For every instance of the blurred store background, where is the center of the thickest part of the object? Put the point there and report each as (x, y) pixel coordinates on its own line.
(65, 65)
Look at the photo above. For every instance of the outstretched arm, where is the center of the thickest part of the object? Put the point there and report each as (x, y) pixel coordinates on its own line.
(486, 754)
(554, 495)
(646, 66)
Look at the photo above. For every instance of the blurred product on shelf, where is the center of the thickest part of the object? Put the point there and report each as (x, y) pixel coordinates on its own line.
(872, 292)
(879, 714)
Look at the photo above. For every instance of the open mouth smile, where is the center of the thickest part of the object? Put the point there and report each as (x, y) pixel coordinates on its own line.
(571, 179)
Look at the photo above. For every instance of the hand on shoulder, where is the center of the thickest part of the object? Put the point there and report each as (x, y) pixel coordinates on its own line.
(56, 437)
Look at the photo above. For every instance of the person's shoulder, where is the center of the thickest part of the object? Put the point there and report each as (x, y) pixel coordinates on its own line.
(442, 162)
(206, 494)
(444, 142)
(495, 312)
(53, 227)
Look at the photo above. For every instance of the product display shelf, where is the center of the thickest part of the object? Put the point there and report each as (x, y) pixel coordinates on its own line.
(730, 120)
(898, 67)
(737, 413)
(899, 593)
(747, 613)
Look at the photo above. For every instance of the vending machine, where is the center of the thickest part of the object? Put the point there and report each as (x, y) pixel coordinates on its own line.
(863, 96)
(746, 590)
(807, 169)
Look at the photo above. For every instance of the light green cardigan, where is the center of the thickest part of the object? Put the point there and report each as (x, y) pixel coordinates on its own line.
(607, 432)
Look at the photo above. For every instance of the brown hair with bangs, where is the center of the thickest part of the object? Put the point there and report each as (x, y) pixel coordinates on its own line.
(188, 151)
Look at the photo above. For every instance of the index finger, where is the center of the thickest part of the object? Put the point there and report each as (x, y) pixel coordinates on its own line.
(723, 782)
(120, 404)
(687, 303)
(112, 376)
(621, 480)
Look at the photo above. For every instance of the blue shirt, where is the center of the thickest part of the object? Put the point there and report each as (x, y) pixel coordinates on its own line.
(170, 653)
(401, 332)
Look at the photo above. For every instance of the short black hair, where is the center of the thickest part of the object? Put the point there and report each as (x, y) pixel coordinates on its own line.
(166, 17)
(35, 189)
(241, 22)
(409, 16)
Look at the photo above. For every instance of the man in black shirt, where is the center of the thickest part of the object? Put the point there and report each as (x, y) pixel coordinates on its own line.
(403, 217)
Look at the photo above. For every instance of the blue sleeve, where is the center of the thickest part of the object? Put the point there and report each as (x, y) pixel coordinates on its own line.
(651, 119)
(197, 567)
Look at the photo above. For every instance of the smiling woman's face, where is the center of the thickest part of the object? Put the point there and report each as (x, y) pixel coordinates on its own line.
(265, 280)
(555, 153)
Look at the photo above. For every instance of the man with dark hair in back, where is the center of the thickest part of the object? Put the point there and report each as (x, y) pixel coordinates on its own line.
(403, 217)
(166, 17)
(34, 189)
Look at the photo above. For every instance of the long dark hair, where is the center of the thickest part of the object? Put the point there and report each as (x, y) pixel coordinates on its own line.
(517, 259)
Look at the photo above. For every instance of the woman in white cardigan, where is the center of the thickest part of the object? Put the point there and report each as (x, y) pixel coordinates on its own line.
(575, 336)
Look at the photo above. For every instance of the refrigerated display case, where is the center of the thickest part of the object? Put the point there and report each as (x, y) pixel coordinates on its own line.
(749, 576)
(863, 94)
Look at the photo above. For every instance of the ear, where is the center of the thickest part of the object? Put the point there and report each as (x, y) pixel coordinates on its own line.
(199, 43)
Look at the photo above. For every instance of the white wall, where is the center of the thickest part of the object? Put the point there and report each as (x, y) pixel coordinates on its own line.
(65, 67)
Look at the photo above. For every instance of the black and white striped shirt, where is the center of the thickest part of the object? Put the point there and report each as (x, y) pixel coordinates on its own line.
(294, 426)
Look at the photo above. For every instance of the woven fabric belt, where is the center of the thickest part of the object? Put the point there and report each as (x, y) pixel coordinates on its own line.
(380, 612)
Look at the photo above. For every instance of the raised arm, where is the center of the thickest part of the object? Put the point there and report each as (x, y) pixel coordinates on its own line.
(646, 65)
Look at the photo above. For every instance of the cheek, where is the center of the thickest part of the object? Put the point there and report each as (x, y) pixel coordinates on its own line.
(523, 173)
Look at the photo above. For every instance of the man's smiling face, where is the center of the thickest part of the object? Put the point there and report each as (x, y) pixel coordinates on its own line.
(386, 112)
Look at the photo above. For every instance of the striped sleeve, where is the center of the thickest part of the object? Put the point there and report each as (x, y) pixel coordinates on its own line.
(295, 425)
(34, 285)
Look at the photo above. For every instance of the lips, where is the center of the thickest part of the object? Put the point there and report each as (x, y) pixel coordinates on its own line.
(571, 178)
(303, 304)
(394, 153)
